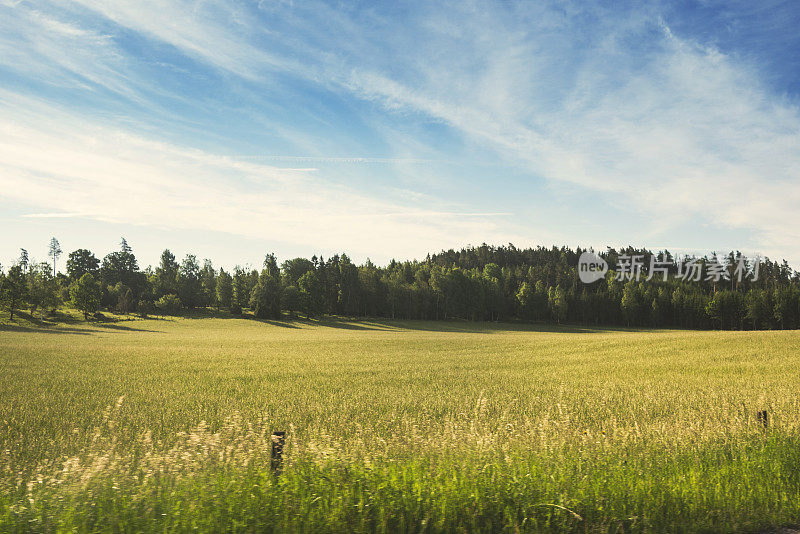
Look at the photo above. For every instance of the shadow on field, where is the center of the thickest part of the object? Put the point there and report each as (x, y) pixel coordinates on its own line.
(455, 326)
(94, 327)
(366, 324)
(113, 326)
(289, 321)
(348, 324)
(103, 322)
(205, 313)
(44, 330)
(466, 327)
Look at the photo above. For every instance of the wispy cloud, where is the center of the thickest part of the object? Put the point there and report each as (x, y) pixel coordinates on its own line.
(687, 132)
(330, 159)
(60, 215)
(611, 102)
(212, 32)
(110, 175)
(61, 52)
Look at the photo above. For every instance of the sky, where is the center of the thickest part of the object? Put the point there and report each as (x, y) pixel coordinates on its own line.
(230, 130)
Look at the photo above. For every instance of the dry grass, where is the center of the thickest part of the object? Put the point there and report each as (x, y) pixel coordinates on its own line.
(165, 425)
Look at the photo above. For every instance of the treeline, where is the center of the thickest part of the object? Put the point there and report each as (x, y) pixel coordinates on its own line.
(476, 283)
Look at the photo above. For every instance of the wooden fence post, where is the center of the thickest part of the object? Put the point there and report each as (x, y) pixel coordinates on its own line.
(278, 440)
(763, 418)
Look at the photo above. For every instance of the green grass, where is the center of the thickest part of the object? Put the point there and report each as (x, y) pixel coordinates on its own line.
(164, 425)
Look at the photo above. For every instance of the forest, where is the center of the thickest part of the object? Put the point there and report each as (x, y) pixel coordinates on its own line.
(483, 283)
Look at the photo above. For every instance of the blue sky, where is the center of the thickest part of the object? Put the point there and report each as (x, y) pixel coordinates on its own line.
(233, 129)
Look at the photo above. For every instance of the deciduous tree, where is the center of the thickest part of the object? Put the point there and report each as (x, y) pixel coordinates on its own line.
(14, 289)
(85, 294)
(80, 262)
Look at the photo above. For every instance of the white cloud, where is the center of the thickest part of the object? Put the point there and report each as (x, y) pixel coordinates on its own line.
(214, 32)
(60, 215)
(687, 133)
(60, 52)
(613, 103)
(111, 175)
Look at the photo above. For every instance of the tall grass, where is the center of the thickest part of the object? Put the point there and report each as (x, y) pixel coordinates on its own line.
(166, 426)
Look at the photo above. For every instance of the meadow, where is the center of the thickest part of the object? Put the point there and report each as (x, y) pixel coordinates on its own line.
(165, 425)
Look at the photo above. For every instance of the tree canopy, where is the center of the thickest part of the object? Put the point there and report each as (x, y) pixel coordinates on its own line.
(474, 283)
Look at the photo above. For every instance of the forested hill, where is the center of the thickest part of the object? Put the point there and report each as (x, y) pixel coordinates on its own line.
(475, 283)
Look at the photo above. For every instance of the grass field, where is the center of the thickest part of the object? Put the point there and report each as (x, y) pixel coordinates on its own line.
(164, 425)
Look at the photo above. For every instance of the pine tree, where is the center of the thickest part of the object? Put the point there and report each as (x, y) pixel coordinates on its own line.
(266, 296)
(54, 252)
(224, 289)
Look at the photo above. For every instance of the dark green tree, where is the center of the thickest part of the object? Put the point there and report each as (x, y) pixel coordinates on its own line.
(14, 290)
(290, 299)
(265, 299)
(759, 308)
(349, 286)
(189, 285)
(122, 267)
(80, 262)
(558, 304)
(42, 290)
(85, 294)
(311, 294)
(241, 290)
(166, 275)
(169, 304)
(208, 284)
(525, 299)
(631, 304)
(295, 268)
(224, 289)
